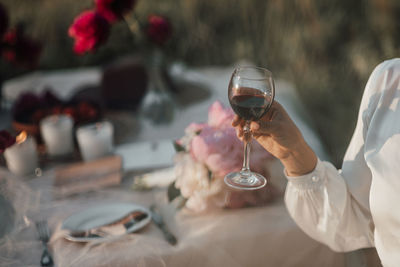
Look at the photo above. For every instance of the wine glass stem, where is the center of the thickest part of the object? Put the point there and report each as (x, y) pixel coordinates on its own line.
(247, 142)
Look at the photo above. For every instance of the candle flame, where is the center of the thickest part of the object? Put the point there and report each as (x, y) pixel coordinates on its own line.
(21, 137)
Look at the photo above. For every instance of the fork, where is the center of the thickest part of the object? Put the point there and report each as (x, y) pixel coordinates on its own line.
(44, 236)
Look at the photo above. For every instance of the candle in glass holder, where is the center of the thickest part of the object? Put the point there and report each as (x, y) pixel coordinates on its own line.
(95, 140)
(22, 158)
(57, 134)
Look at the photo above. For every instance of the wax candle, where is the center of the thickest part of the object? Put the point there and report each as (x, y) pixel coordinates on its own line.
(57, 134)
(22, 158)
(95, 140)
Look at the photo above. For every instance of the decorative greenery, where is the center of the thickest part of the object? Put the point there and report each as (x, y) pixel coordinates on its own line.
(178, 147)
(173, 192)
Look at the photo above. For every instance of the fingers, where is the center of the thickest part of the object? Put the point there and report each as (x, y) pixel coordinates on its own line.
(237, 121)
(239, 132)
(267, 125)
(257, 128)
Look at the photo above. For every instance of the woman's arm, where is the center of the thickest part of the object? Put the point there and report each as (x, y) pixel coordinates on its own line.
(330, 205)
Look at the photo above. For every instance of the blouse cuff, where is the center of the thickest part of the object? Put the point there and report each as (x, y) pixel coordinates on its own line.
(311, 180)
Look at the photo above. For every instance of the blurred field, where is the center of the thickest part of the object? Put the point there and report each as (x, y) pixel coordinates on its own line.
(326, 48)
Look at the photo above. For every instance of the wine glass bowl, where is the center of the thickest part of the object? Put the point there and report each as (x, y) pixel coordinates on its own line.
(251, 92)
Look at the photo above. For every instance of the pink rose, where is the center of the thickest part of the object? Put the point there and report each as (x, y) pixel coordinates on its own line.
(220, 150)
(159, 29)
(114, 10)
(218, 116)
(218, 147)
(194, 128)
(90, 29)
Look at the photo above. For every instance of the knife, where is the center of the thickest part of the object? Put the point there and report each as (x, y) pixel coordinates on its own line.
(159, 222)
(135, 220)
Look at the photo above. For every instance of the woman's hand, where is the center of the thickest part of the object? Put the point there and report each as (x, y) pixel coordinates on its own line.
(278, 134)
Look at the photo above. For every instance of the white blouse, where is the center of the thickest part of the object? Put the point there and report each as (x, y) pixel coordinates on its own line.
(359, 206)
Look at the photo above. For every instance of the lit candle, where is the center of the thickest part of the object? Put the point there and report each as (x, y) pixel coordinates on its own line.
(95, 140)
(57, 134)
(22, 158)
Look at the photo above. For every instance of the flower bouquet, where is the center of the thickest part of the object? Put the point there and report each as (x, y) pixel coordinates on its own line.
(205, 154)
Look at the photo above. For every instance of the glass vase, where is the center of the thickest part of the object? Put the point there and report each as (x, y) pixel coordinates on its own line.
(158, 105)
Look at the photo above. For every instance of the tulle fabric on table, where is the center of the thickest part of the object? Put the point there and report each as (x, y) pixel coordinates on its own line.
(35, 198)
(208, 239)
(17, 202)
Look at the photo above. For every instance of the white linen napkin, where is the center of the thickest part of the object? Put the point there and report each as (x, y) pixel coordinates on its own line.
(158, 178)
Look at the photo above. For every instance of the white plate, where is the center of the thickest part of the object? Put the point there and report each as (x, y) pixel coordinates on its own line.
(100, 216)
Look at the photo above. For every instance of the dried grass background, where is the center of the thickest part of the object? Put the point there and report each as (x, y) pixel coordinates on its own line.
(326, 48)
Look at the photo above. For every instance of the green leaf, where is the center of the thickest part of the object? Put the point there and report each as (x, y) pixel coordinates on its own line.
(210, 175)
(178, 147)
(173, 192)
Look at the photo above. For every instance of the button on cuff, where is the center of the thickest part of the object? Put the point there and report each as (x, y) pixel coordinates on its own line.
(315, 178)
(311, 180)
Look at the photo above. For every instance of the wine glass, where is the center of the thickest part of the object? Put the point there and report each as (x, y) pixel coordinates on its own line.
(251, 92)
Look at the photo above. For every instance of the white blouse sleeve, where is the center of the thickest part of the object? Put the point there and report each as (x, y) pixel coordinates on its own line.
(330, 205)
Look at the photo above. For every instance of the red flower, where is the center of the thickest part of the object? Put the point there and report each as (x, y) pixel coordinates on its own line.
(87, 111)
(20, 49)
(113, 10)
(159, 29)
(3, 20)
(71, 111)
(90, 29)
(6, 140)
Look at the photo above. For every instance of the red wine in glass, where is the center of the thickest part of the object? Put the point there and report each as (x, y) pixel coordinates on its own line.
(250, 106)
(251, 92)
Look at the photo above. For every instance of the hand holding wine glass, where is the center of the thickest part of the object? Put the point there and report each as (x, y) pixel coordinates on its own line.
(279, 135)
(251, 93)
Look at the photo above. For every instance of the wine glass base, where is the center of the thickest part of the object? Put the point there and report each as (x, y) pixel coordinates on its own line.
(245, 180)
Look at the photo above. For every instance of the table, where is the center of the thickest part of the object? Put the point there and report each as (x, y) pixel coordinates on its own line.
(262, 236)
